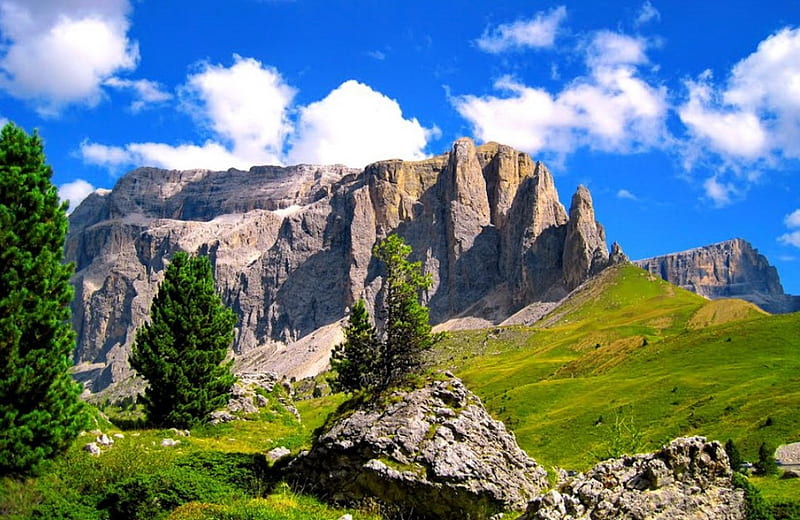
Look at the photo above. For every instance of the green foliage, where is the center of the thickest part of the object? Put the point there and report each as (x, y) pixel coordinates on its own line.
(40, 413)
(180, 352)
(406, 328)
(367, 360)
(766, 464)
(756, 508)
(734, 456)
(245, 471)
(355, 361)
(151, 496)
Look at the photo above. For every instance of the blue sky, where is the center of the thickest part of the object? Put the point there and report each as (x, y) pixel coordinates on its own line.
(683, 118)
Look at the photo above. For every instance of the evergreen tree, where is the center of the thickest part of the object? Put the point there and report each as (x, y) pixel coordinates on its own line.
(734, 456)
(355, 361)
(180, 352)
(766, 464)
(406, 331)
(40, 413)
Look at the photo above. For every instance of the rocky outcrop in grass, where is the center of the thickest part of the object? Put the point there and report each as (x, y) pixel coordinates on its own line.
(687, 479)
(431, 452)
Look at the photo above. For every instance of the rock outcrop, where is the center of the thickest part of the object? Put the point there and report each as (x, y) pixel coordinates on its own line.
(291, 248)
(432, 452)
(730, 269)
(687, 479)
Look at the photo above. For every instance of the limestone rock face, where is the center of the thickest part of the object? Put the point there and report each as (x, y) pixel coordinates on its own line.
(687, 479)
(585, 250)
(291, 248)
(433, 452)
(730, 269)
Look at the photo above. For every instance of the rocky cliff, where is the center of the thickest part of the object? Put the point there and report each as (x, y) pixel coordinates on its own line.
(291, 247)
(730, 269)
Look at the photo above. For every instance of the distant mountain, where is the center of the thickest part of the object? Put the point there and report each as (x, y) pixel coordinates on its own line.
(730, 269)
(291, 248)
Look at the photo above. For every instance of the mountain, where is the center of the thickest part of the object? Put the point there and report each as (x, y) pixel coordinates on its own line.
(730, 269)
(291, 248)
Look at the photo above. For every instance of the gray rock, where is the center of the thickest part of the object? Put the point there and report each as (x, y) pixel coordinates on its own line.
(104, 440)
(410, 456)
(730, 269)
(278, 453)
(687, 479)
(169, 442)
(92, 448)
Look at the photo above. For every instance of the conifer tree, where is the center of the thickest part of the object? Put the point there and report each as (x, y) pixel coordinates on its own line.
(406, 328)
(180, 352)
(40, 413)
(355, 361)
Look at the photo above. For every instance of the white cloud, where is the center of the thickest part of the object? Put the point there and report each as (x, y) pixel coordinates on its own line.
(356, 125)
(376, 54)
(610, 109)
(729, 131)
(246, 107)
(790, 239)
(75, 192)
(792, 220)
(720, 193)
(60, 52)
(625, 194)
(609, 49)
(147, 92)
(539, 31)
(647, 13)
(755, 115)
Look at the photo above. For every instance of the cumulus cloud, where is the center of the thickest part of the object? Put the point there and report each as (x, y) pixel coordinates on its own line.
(755, 115)
(75, 192)
(539, 31)
(792, 221)
(60, 52)
(246, 110)
(611, 108)
(356, 125)
(147, 93)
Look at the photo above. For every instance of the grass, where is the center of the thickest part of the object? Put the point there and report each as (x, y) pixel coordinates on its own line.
(630, 362)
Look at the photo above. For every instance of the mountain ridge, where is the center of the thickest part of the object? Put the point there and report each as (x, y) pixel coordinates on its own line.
(292, 247)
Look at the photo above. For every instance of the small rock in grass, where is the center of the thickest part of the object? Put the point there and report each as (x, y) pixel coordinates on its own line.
(169, 442)
(92, 448)
(278, 453)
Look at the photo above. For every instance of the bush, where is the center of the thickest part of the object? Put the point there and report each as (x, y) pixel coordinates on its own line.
(756, 507)
(148, 497)
(248, 472)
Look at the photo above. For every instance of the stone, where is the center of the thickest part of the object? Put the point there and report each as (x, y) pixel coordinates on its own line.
(169, 442)
(409, 456)
(119, 436)
(92, 448)
(730, 269)
(346, 516)
(291, 249)
(278, 453)
(689, 478)
(104, 440)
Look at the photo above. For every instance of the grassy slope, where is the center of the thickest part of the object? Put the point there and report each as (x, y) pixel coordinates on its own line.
(631, 361)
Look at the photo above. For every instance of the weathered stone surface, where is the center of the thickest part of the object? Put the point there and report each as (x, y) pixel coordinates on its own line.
(689, 478)
(291, 249)
(730, 269)
(585, 250)
(433, 452)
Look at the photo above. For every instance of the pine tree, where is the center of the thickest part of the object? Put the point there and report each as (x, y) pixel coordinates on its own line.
(180, 352)
(40, 413)
(766, 464)
(355, 361)
(734, 456)
(407, 332)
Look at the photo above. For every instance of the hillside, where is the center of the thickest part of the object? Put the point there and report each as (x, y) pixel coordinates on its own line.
(630, 361)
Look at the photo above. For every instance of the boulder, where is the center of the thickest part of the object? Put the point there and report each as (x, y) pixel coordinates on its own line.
(689, 478)
(432, 452)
